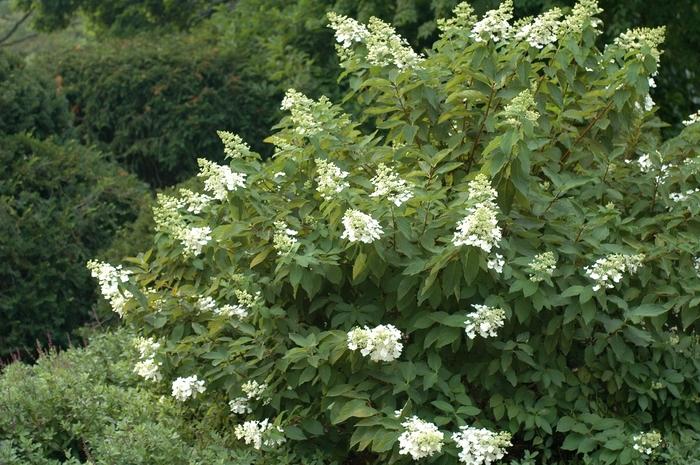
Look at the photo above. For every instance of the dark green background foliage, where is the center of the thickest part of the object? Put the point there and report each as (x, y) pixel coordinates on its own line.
(28, 100)
(156, 103)
(59, 206)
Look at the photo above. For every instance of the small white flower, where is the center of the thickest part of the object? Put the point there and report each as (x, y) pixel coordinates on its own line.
(692, 119)
(494, 25)
(496, 263)
(219, 179)
(608, 270)
(239, 406)
(234, 147)
(385, 47)
(381, 344)
(110, 277)
(194, 239)
(360, 227)
(480, 446)
(646, 443)
(284, 239)
(148, 369)
(330, 179)
(420, 439)
(480, 227)
(259, 433)
(184, 388)
(253, 390)
(542, 31)
(231, 311)
(389, 185)
(194, 202)
(542, 266)
(347, 30)
(484, 321)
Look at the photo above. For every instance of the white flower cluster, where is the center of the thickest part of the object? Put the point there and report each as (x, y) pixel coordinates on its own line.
(252, 391)
(380, 343)
(484, 321)
(644, 162)
(496, 263)
(520, 108)
(638, 40)
(208, 304)
(389, 185)
(193, 239)
(541, 31)
(239, 406)
(193, 202)
(234, 147)
(608, 270)
(302, 110)
(360, 227)
(696, 265)
(259, 433)
(646, 443)
(330, 179)
(147, 367)
(347, 30)
(480, 446)
(692, 119)
(463, 18)
(682, 196)
(480, 227)
(168, 219)
(583, 13)
(495, 24)
(109, 278)
(542, 266)
(184, 388)
(219, 179)
(420, 439)
(384, 46)
(284, 239)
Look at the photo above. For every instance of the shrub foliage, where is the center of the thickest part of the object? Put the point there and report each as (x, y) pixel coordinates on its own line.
(498, 238)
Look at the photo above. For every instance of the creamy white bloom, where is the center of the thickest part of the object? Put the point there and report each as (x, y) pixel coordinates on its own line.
(388, 184)
(542, 266)
(347, 30)
(496, 263)
(385, 47)
(194, 239)
(541, 31)
(520, 108)
(636, 41)
(194, 202)
(644, 162)
(696, 265)
(147, 347)
(253, 390)
(240, 406)
(692, 119)
(582, 14)
(330, 179)
(184, 388)
(682, 196)
(219, 179)
(360, 227)
(608, 270)
(495, 24)
(284, 239)
(381, 343)
(463, 18)
(484, 322)
(420, 439)
(480, 446)
(148, 369)
(480, 227)
(259, 433)
(206, 304)
(110, 277)
(234, 147)
(228, 310)
(646, 443)
(306, 114)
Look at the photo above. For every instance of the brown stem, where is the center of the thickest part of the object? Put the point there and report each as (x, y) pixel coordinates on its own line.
(585, 131)
(470, 160)
(16, 26)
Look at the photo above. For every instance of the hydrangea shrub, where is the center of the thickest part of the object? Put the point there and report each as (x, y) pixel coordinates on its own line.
(484, 260)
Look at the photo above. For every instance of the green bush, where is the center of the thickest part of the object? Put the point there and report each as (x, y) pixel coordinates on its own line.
(59, 206)
(29, 100)
(154, 102)
(499, 239)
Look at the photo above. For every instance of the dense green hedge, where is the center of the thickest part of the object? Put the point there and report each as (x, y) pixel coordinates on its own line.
(156, 103)
(59, 206)
(29, 101)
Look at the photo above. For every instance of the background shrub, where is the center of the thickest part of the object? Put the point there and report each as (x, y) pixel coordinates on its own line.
(468, 165)
(59, 206)
(156, 103)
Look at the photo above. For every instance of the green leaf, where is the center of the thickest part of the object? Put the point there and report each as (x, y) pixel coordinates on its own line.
(354, 408)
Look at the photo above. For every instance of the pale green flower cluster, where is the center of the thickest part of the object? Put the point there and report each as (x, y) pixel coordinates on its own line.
(147, 367)
(494, 25)
(258, 433)
(193, 202)
(582, 14)
(646, 443)
(521, 107)
(302, 110)
(541, 31)
(542, 266)
(463, 18)
(420, 439)
(484, 322)
(692, 119)
(284, 239)
(193, 239)
(608, 270)
(360, 227)
(638, 40)
(347, 30)
(234, 147)
(381, 343)
(184, 388)
(480, 227)
(110, 277)
(208, 304)
(253, 390)
(218, 179)
(240, 406)
(330, 179)
(389, 185)
(479, 446)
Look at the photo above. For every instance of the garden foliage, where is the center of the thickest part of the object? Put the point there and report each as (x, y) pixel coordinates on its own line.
(496, 253)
